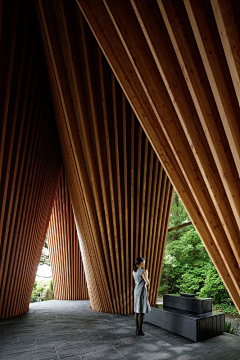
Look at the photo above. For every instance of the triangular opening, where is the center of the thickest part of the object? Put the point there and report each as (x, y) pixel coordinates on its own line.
(187, 267)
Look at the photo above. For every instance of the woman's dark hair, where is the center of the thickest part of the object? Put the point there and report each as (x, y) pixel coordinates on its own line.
(137, 262)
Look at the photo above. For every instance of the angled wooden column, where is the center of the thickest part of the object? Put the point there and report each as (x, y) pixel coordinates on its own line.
(69, 282)
(30, 157)
(227, 14)
(169, 60)
(120, 193)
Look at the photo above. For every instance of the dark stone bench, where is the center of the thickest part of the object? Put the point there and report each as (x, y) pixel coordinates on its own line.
(187, 316)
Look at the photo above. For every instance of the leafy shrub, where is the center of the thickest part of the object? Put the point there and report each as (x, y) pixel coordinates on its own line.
(40, 290)
(51, 285)
(228, 328)
(227, 307)
(33, 300)
(214, 287)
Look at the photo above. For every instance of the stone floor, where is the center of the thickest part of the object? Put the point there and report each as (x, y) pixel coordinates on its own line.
(71, 330)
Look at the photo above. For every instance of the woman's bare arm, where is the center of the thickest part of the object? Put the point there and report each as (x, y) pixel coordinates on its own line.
(145, 277)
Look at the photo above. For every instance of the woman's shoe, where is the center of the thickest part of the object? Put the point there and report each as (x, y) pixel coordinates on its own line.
(140, 332)
(136, 331)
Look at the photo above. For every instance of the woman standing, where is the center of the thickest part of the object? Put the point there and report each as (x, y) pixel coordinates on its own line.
(141, 303)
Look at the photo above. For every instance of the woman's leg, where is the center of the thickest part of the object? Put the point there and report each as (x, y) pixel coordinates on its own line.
(140, 321)
(136, 320)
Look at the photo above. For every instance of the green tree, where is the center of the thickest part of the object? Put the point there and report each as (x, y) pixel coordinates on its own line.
(44, 259)
(186, 263)
(178, 216)
(187, 266)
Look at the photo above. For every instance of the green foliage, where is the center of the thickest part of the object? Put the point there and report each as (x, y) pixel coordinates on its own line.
(214, 287)
(40, 288)
(227, 307)
(228, 328)
(51, 285)
(44, 259)
(187, 266)
(185, 263)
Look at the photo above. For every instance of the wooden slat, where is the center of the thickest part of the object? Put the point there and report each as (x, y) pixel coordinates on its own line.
(119, 192)
(148, 208)
(153, 211)
(180, 226)
(111, 180)
(139, 154)
(157, 218)
(125, 186)
(166, 214)
(133, 156)
(143, 197)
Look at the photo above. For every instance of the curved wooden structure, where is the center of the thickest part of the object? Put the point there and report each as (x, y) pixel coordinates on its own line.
(30, 158)
(68, 275)
(178, 63)
(110, 165)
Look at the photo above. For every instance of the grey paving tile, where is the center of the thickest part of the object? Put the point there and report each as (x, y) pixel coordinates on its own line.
(72, 357)
(106, 342)
(76, 348)
(54, 340)
(133, 350)
(20, 348)
(31, 355)
(108, 353)
(63, 331)
(71, 330)
(89, 335)
(9, 340)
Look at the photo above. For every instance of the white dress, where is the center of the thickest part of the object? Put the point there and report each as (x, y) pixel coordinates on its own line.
(141, 303)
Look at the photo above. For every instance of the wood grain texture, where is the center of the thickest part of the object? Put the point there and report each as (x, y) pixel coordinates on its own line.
(114, 176)
(30, 157)
(177, 62)
(69, 282)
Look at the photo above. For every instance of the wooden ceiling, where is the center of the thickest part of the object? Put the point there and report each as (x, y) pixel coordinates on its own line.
(178, 64)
